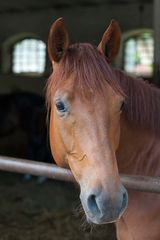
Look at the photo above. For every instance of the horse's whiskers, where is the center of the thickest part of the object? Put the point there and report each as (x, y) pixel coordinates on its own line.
(78, 209)
(79, 213)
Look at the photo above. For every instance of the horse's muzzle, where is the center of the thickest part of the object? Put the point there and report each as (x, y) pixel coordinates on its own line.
(100, 207)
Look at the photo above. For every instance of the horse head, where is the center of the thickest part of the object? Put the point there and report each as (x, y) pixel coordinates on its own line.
(86, 103)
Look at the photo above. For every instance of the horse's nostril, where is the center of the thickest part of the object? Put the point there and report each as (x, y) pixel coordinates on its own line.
(125, 200)
(92, 205)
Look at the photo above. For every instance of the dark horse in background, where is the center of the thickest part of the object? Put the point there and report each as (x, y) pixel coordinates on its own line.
(26, 111)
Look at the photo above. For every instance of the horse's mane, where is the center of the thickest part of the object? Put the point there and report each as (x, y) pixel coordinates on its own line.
(91, 72)
(142, 102)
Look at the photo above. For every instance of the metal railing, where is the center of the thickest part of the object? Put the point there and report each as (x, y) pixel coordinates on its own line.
(139, 183)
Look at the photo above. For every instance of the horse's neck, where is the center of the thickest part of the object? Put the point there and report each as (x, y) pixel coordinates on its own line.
(142, 101)
(138, 151)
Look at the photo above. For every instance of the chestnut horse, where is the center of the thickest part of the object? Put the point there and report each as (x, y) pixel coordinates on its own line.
(103, 122)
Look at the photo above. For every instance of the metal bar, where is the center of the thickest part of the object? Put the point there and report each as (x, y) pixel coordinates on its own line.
(11, 164)
(139, 183)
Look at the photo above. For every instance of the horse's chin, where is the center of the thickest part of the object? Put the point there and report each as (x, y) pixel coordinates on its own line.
(100, 221)
(104, 220)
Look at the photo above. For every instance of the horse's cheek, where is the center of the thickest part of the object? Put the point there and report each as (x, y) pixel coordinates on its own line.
(57, 148)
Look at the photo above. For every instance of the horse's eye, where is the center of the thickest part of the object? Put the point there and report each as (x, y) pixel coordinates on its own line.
(61, 106)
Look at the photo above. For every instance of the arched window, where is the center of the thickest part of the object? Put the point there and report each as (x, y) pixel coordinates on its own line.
(29, 56)
(138, 51)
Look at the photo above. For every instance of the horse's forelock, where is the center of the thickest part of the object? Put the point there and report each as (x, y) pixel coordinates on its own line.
(89, 69)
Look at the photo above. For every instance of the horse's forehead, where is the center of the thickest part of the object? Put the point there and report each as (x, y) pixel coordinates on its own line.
(71, 91)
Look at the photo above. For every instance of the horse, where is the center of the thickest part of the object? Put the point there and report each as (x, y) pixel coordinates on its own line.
(102, 123)
(26, 111)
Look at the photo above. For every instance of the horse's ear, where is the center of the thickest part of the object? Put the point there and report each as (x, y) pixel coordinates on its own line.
(58, 40)
(110, 42)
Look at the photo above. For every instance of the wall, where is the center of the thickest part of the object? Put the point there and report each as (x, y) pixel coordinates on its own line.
(85, 24)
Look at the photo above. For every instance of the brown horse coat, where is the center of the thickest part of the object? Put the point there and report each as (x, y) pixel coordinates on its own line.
(102, 123)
